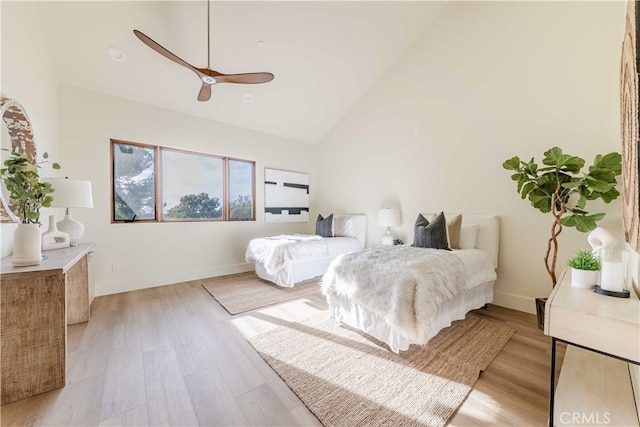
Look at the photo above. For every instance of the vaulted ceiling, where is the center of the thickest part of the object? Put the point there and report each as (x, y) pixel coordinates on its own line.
(324, 55)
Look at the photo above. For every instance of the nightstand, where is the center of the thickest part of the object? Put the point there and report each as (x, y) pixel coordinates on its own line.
(602, 334)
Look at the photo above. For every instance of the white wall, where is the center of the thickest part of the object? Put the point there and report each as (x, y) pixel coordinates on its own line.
(28, 76)
(485, 82)
(162, 253)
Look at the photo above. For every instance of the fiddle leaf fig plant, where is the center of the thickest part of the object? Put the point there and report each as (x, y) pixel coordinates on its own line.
(26, 193)
(560, 187)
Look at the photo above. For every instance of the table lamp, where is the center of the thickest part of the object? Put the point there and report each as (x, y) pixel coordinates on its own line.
(71, 193)
(389, 217)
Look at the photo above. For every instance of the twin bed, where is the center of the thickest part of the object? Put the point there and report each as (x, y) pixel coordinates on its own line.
(400, 295)
(290, 259)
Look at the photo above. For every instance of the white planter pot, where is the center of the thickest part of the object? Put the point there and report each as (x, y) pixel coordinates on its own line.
(583, 278)
(27, 245)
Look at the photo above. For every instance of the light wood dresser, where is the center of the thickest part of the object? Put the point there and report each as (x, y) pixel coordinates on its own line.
(603, 336)
(37, 303)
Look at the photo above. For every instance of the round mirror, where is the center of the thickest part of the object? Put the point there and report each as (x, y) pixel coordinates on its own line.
(15, 133)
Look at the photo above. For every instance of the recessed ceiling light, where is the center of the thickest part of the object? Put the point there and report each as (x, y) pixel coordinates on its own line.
(115, 54)
(247, 97)
(260, 43)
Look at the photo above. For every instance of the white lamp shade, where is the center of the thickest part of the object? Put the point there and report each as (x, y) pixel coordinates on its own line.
(70, 193)
(389, 217)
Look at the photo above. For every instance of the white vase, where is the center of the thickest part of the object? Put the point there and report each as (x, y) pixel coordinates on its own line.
(583, 278)
(27, 245)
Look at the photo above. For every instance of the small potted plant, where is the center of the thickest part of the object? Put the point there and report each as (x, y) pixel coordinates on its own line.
(584, 269)
(27, 194)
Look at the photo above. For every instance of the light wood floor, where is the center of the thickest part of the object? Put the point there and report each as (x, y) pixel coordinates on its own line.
(173, 356)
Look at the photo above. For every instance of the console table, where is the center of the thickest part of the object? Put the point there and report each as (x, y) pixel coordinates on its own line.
(602, 334)
(37, 303)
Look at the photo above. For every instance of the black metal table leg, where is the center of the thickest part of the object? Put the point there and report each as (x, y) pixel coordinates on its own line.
(552, 381)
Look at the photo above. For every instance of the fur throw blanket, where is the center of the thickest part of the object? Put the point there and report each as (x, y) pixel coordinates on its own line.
(402, 284)
(277, 252)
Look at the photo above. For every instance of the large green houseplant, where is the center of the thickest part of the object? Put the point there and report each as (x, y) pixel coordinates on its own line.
(22, 180)
(561, 188)
(27, 194)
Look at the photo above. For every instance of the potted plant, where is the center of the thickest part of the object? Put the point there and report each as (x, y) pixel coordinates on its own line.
(584, 269)
(560, 188)
(26, 196)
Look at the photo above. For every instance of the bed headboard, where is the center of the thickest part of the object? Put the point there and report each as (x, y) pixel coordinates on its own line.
(359, 227)
(488, 237)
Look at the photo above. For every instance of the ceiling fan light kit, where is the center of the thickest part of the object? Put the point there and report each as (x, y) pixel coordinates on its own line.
(208, 76)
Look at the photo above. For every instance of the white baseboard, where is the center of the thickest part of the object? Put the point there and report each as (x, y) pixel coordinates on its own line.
(133, 284)
(515, 302)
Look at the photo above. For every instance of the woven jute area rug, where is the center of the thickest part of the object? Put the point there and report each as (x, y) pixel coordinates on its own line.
(238, 293)
(347, 378)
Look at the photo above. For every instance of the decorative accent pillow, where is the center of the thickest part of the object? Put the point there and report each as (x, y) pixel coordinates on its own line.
(324, 226)
(454, 224)
(468, 234)
(343, 226)
(431, 234)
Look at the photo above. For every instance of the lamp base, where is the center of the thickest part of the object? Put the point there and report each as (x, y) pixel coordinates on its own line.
(54, 238)
(73, 228)
(387, 239)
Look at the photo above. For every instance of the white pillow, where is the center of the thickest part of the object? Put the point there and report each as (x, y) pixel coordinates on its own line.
(343, 226)
(468, 234)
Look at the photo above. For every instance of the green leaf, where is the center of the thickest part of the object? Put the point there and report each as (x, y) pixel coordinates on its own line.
(555, 157)
(611, 161)
(512, 163)
(540, 202)
(568, 221)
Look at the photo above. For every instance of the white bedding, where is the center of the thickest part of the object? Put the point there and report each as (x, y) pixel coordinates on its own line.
(405, 285)
(287, 260)
(311, 255)
(357, 316)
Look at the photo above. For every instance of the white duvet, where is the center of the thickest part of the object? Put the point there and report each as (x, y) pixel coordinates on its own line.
(404, 285)
(277, 251)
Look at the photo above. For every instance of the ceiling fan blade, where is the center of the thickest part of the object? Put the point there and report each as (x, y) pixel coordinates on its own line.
(247, 78)
(205, 92)
(164, 52)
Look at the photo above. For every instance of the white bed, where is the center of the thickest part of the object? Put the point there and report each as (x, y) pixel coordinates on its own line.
(310, 260)
(477, 292)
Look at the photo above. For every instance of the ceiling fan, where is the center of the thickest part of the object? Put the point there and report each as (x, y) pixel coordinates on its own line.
(208, 76)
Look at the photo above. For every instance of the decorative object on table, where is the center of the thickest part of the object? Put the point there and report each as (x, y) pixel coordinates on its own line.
(550, 186)
(615, 269)
(389, 217)
(286, 196)
(26, 195)
(54, 238)
(71, 193)
(585, 266)
(613, 277)
(601, 238)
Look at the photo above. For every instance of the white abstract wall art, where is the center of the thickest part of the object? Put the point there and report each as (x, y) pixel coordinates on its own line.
(286, 196)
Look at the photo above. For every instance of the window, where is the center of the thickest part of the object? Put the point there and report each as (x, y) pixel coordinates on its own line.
(188, 186)
(134, 183)
(192, 186)
(241, 185)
